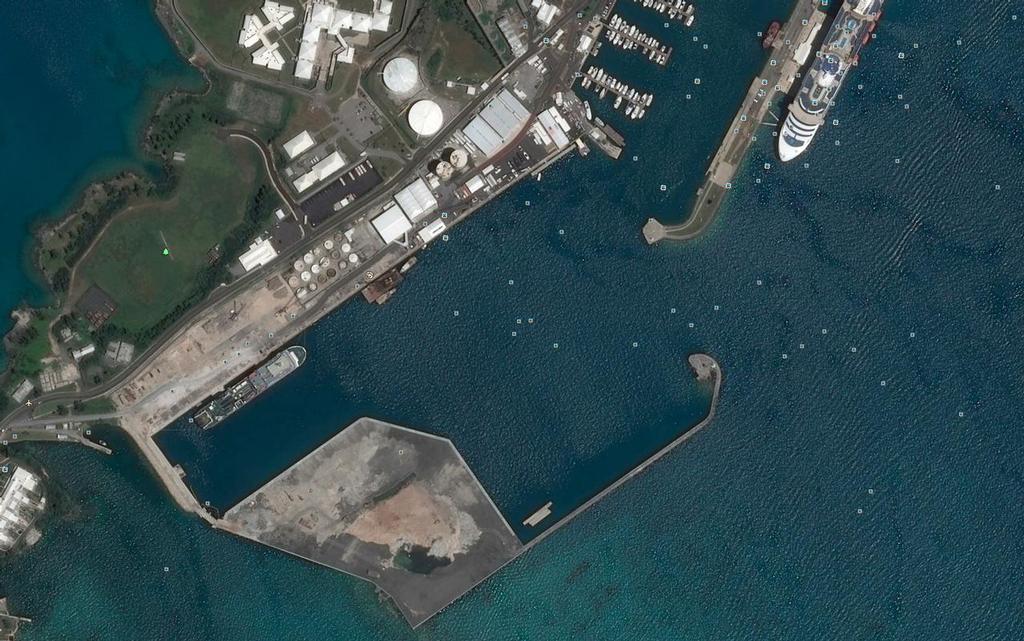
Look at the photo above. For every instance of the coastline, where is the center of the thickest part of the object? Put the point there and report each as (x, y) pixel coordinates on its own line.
(138, 161)
(138, 165)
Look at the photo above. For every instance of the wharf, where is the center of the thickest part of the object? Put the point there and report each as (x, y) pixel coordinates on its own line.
(785, 60)
(626, 36)
(607, 139)
(402, 509)
(387, 504)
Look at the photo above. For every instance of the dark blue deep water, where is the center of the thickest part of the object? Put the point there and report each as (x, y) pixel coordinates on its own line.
(863, 479)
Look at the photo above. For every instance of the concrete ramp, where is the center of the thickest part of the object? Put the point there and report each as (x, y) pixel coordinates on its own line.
(387, 504)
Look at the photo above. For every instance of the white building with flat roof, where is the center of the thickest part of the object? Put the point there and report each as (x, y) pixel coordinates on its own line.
(416, 199)
(323, 17)
(392, 225)
(21, 502)
(320, 171)
(300, 143)
(259, 254)
(254, 31)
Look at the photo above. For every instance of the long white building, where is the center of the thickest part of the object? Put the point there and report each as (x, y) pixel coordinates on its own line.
(21, 503)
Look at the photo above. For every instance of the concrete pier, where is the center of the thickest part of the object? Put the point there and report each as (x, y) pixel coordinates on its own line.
(387, 504)
(706, 369)
(403, 510)
(777, 77)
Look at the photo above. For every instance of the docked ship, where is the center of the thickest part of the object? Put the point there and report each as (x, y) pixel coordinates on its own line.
(850, 31)
(249, 387)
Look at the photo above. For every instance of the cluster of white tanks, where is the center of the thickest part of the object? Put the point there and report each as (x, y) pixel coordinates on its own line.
(451, 161)
(321, 265)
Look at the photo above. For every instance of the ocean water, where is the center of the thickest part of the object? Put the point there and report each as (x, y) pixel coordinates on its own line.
(78, 85)
(863, 478)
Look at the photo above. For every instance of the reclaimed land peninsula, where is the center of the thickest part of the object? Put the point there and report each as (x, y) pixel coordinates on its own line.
(328, 146)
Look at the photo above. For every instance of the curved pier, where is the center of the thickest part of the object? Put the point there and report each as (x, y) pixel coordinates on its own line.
(788, 55)
(706, 369)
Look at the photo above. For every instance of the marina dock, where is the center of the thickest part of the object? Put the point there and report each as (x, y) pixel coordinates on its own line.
(633, 102)
(789, 52)
(629, 38)
(673, 9)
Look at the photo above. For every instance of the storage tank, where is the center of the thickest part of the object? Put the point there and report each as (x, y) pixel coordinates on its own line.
(401, 76)
(426, 117)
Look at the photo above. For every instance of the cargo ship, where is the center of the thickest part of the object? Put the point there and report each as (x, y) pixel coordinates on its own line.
(850, 31)
(249, 387)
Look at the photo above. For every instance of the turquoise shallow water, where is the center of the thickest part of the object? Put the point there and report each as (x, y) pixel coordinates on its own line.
(863, 479)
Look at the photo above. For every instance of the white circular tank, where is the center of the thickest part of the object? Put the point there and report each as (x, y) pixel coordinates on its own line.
(458, 158)
(401, 75)
(328, 244)
(426, 117)
(444, 170)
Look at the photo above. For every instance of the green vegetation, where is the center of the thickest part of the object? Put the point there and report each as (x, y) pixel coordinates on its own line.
(454, 46)
(32, 343)
(100, 405)
(217, 25)
(128, 261)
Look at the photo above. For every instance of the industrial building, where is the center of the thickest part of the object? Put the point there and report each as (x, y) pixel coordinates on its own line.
(323, 17)
(431, 231)
(552, 128)
(299, 144)
(546, 11)
(497, 123)
(416, 200)
(392, 225)
(255, 31)
(320, 171)
(412, 203)
(21, 503)
(259, 254)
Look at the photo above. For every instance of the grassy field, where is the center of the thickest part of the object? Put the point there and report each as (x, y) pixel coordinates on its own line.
(129, 260)
(456, 48)
(217, 24)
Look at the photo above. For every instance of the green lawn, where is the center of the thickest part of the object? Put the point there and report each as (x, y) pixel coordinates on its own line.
(218, 23)
(460, 50)
(129, 261)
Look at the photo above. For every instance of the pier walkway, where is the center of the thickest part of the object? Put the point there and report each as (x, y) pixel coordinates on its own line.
(706, 369)
(780, 71)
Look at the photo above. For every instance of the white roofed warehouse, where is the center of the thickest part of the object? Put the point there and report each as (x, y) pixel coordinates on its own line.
(297, 145)
(416, 200)
(392, 225)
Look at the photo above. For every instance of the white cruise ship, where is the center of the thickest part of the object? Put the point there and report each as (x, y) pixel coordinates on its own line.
(850, 31)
